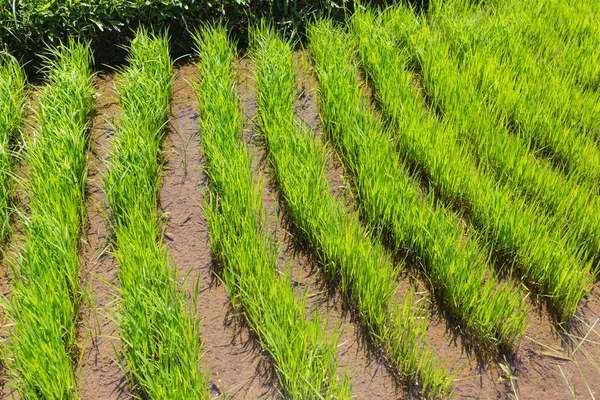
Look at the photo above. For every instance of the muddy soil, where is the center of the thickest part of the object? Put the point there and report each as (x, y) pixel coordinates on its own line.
(234, 363)
(100, 376)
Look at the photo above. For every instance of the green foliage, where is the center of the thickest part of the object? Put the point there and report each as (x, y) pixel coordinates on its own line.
(510, 157)
(26, 23)
(35, 19)
(453, 72)
(12, 101)
(45, 289)
(368, 279)
(499, 49)
(452, 258)
(516, 230)
(302, 353)
(159, 331)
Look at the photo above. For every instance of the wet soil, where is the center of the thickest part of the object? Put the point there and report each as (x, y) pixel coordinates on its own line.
(307, 114)
(235, 365)
(550, 363)
(100, 376)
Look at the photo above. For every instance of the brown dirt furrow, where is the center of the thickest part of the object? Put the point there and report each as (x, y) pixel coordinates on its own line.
(235, 366)
(549, 364)
(100, 376)
(307, 113)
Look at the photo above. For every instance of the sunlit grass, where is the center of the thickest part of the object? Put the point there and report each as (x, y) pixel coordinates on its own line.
(489, 311)
(158, 329)
(12, 101)
(302, 353)
(495, 51)
(46, 294)
(516, 230)
(368, 279)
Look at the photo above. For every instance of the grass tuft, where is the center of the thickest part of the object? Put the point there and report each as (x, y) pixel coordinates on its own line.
(488, 311)
(368, 279)
(12, 102)
(519, 232)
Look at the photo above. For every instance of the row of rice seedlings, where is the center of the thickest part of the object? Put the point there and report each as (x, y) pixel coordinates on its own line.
(515, 230)
(506, 155)
(12, 101)
(577, 23)
(563, 34)
(302, 355)
(45, 297)
(367, 279)
(554, 117)
(159, 331)
(487, 310)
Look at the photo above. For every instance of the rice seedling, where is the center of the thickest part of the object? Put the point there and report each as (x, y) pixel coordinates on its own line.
(12, 101)
(488, 311)
(368, 279)
(507, 156)
(41, 349)
(515, 230)
(158, 329)
(302, 355)
(563, 35)
(554, 117)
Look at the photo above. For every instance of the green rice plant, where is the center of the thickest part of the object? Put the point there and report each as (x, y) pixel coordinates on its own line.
(508, 157)
(368, 279)
(566, 35)
(578, 59)
(158, 329)
(12, 101)
(516, 230)
(563, 35)
(553, 116)
(488, 311)
(301, 353)
(46, 294)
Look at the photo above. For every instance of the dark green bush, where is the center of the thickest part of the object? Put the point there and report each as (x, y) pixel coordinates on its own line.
(26, 26)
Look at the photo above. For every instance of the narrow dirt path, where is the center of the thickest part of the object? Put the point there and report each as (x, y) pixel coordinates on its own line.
(100, 377)
(234, 365)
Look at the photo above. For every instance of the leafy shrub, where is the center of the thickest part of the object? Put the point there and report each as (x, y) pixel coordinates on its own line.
(27, 25)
